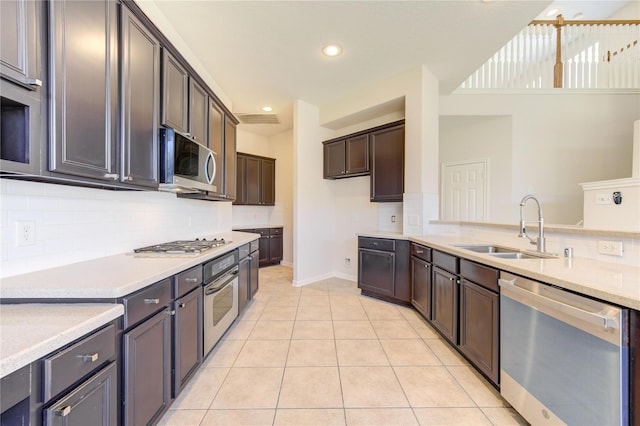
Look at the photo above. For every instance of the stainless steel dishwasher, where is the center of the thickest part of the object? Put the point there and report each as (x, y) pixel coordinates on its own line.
(564, 358)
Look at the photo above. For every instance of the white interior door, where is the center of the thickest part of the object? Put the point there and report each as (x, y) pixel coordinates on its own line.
(464, 191)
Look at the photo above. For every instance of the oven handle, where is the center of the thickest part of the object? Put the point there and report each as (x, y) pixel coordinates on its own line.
(554, 307)
(220, 283)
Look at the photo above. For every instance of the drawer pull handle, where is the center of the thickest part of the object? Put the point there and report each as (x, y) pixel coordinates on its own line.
(191, 280)
(375, 244)
(155, 301)
(90, 357)
(64, 411)
(419, 251)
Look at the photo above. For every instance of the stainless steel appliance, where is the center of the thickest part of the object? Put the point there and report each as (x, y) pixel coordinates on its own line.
(181, 247)
(564, 357)
(220, 297)
(185, 165)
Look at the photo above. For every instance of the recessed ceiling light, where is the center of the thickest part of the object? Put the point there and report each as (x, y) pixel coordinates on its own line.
(332, 50)
(552, 12)
(267, 108)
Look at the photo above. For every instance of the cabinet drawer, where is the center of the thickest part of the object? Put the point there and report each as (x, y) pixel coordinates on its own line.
(480, 274)
(421, 252)
(71, 364)
(275, 231)
(146, 302)
(255, 245)
(446, 261)
(262, 231)
(187, 281)
(377, 244)
(243, 251)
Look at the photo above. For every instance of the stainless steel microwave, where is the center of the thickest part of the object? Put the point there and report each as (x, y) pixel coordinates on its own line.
(185, 165)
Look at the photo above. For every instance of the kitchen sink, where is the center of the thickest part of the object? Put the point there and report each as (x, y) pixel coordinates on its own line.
(487, 248)
(504, 252)
(521, 255)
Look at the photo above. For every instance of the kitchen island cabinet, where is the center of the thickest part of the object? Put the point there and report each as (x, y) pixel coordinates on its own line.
(383, 269)
(445, 295)
(480, 317)
(421, 279)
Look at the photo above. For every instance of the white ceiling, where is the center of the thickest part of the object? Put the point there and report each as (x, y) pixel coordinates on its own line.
(269, 52)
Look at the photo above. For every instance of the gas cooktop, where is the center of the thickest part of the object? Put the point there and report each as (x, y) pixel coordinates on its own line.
(185, 247)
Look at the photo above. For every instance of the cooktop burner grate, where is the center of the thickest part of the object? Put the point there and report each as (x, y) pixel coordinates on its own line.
(182, 246)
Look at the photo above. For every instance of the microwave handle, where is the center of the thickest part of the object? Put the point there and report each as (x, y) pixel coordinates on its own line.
(211, 158)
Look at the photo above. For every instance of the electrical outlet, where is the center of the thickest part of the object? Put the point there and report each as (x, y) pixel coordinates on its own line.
(25, 233)
(347, 262)
(611, 248)
(393, 218)
(603, 199)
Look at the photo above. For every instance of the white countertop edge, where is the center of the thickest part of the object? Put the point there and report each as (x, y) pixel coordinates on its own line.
(535, 269)
(29, 286)
(261, 226)
(13, 362)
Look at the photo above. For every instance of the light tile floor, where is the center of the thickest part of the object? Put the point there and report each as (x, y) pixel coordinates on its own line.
(325, 355)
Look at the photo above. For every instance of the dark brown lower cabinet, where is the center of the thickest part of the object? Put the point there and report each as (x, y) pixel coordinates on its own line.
(479, 318)
(94, 402)
(383, 269)
(444, 315)
(147, 370)
(421, 288)
(187, 338)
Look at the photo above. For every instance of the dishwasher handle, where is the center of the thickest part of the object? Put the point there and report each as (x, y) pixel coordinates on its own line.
(605, 323)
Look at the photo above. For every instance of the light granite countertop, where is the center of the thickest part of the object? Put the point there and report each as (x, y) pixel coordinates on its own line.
(110, 277)
(614, 283)
(30, 331)
(243, 227)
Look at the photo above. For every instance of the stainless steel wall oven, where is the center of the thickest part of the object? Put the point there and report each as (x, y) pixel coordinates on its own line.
(220, 297)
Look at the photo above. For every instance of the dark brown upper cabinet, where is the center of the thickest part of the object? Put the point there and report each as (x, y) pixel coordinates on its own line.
(198, 112)
(256, 178)
(22, 70)
(229, 158)
(84, 89)
(347, 157)
(387, 164)
(216, 138)
(20, 42)
(175, 94)
(140, 102)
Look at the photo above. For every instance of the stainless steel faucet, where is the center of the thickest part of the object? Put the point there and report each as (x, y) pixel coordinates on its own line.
(540, 242)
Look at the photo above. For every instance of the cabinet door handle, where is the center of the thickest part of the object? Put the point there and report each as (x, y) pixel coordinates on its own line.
(34, 82)
(64, 411)
(171, 312)
(152, 301)
(113, 176)
(129, 178)
(90, 357)
(191, 280)
(452, 279)
(427, 266)
(182, 305)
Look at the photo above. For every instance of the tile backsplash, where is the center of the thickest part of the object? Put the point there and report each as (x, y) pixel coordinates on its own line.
(73, 224)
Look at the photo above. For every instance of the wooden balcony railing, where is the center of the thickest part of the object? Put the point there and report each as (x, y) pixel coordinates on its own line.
(571, 54)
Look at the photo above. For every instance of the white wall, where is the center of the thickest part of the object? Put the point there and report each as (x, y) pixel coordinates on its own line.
(75, 224)
(477, 138)
(559, 140)
(313, 219)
